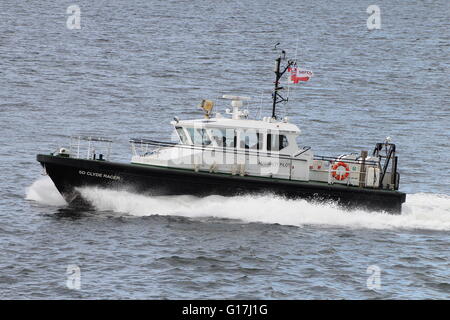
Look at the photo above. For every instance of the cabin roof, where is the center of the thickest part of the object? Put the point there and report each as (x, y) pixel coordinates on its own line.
(239, 123)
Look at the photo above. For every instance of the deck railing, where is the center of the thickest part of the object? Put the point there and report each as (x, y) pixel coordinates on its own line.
(90, 145)
(147, 146)
(146, 143)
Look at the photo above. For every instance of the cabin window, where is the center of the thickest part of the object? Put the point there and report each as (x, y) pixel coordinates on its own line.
(219, 136)
(250, 139)
(182, 135)
(276, 142)
(283, 142)
(231, 138)
(199, 136)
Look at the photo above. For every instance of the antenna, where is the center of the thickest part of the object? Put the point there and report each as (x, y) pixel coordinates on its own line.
(236, 103)
(277, 98)
(260, 104)
(289, 83)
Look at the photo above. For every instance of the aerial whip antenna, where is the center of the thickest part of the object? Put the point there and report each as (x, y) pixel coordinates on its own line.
(276, 96)
(289, 83)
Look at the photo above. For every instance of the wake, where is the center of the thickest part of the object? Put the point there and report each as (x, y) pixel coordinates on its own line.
(420, 211)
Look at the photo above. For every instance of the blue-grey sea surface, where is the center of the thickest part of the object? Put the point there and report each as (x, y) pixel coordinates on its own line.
(133, 65)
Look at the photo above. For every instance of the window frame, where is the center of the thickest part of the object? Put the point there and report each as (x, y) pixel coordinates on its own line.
(279, 139)
(182, 135)
(200, 131)
(244, 140)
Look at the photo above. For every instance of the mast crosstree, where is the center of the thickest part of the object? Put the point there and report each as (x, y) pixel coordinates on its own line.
(276, 96)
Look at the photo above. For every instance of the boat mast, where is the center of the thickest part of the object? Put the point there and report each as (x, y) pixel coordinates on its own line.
(276, 96)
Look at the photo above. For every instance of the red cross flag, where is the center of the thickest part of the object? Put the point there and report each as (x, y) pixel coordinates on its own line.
(296, 75)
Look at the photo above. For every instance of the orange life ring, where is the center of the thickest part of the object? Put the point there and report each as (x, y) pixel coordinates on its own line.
(343, 176)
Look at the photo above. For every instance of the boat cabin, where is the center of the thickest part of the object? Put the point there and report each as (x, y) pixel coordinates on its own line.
(235, 145)
(239, 134)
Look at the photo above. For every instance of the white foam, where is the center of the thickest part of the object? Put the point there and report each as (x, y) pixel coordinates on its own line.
(44, 191)
(420, 211)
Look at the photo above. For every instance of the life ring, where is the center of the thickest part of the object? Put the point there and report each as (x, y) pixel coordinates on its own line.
(342, 176)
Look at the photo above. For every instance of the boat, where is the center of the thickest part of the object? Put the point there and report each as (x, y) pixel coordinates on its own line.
(231, 154)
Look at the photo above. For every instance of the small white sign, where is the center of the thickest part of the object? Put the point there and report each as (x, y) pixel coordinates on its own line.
(374, 280)
(74, 20)
(374, 20)
(73, 277)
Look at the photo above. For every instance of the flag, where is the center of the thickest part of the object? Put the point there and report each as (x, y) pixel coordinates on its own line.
(296, 75)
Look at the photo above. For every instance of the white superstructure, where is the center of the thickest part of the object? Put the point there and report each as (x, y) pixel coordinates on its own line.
(240, 146)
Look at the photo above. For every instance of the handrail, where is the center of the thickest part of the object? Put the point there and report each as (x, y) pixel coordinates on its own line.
(334, 159)
(75, 141)
(386, 163)
(91, 138)
(302, 151)
(246, 151)
(215, 149)
(291, 159)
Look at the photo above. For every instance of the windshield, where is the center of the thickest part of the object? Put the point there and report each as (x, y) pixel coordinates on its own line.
(199, 136)
(182, 135)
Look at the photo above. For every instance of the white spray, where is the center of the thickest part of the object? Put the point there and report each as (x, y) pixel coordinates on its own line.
(421, 211)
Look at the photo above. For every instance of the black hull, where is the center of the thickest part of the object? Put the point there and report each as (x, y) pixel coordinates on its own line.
(70, 173)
